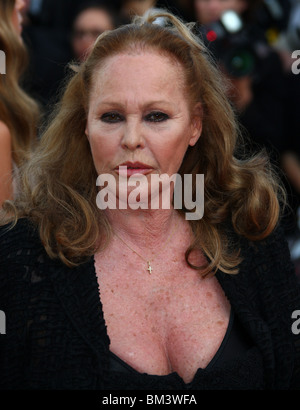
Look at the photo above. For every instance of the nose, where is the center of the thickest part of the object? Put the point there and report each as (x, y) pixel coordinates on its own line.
(132, 138)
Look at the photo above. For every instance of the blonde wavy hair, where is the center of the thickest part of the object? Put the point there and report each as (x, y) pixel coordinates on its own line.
(59, 183)
(17, 109)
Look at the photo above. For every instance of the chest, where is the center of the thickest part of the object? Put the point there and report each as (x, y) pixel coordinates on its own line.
(171, 320)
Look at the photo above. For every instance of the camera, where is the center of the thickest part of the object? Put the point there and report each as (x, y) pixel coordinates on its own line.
(241, 46)
(230, 42)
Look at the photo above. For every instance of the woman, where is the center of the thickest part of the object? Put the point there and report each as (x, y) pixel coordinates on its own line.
(90, 21)
(18, 112)
(200, 304)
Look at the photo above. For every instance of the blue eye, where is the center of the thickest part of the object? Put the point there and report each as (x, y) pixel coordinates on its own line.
(157, 116)
(111, 117)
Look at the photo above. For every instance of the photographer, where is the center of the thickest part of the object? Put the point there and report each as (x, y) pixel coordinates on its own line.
(242, 42)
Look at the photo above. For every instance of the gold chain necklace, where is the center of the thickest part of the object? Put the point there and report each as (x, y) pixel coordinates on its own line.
(149, 268)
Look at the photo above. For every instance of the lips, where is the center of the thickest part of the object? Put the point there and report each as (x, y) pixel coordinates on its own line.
(130, 168)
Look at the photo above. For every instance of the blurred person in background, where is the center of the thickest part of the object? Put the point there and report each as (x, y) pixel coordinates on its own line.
(47, 25)
(47, 33)
(265, 61)
(259, 90)
(92, 19)
(18, 112)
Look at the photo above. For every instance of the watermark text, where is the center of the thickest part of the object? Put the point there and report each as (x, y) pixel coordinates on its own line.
(153, 192)
(2, 62)
(2, 323)
(296, 63)
(296, 323)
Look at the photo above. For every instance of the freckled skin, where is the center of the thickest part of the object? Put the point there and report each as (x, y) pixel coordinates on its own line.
(168, 321)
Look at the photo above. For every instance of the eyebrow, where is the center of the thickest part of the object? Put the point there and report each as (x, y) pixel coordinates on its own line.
(118, 105)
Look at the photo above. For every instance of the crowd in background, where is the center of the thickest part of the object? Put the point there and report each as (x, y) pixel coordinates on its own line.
(263, 87)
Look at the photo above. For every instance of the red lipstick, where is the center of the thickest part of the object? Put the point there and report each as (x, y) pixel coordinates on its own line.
(129, 168)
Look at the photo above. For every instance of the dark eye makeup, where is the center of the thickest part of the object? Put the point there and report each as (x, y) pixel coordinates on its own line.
(156, 116)
(113, 117)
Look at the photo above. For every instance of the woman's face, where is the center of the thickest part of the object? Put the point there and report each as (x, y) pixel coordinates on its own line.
(17, 15)
(208, 11)
(139, 116)
(87, 27)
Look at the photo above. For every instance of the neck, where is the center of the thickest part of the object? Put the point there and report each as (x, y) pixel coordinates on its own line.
(145, 228)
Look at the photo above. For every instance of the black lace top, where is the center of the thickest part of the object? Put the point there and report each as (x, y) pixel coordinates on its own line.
(236, 365)
(56, 335)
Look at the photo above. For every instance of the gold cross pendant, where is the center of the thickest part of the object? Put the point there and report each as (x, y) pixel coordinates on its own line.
(149, 267)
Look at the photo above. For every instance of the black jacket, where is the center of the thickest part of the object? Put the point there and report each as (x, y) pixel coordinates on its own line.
(55, 331)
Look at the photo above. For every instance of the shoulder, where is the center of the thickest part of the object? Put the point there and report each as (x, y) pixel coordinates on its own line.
(267, 273)
(273, 251)
(21, 249)
(23, 269)
(265, 264)
(269, 294)
(13, 236)
(23, 256)
(26, 270)
(5, 140)
(5, 134)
